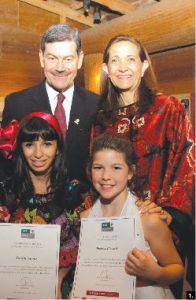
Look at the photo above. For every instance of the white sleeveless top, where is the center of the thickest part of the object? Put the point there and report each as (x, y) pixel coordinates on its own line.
(131, 209)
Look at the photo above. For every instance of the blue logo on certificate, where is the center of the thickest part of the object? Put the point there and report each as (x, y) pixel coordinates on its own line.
(27, 233)
(107, 226)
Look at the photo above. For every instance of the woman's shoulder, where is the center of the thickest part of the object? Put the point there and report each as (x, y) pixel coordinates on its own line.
(168, 102)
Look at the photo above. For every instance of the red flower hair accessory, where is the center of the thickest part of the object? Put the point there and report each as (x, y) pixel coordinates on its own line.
(8, 138)
(8, 135)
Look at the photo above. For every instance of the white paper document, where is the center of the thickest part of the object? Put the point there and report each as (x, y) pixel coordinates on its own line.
(103, 248)
(29, 257)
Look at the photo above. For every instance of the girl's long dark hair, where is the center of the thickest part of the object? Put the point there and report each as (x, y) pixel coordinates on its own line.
(30, 130)
(109, 100)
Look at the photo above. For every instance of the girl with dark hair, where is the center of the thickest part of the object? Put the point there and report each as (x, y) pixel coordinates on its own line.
(38, 191)
(154, 259)
(158, 127)
(32, 175)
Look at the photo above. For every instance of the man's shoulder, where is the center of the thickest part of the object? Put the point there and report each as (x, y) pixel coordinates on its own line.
(25, 92)
(88, 94)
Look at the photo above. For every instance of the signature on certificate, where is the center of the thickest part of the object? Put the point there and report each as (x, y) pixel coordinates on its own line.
(105, 275)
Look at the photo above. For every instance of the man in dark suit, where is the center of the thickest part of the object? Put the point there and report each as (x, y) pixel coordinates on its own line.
(60, 57)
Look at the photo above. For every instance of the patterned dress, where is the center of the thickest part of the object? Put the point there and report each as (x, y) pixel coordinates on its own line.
(42, 209)
(163, 143)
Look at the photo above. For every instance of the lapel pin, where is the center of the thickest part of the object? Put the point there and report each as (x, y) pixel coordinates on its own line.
(77, 121)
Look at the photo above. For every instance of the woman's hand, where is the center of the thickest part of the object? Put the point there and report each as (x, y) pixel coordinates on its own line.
(151, 207)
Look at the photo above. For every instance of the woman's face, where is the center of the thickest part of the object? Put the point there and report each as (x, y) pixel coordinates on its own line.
(125, 67)
(40, 155)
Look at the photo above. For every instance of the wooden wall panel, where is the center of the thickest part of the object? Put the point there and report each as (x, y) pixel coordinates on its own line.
(35, 19)
(177, 86)
(19, 64)
(175, 70)
(9, 12)
(18, 76)
(18, 41)
(92, 70)
(76, 24)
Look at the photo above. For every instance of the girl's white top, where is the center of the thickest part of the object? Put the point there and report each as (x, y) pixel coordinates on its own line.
(131, 209)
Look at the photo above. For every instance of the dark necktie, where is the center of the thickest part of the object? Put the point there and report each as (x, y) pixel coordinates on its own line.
(60, 114)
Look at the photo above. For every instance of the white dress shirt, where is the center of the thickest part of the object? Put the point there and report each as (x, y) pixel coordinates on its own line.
(52, 95)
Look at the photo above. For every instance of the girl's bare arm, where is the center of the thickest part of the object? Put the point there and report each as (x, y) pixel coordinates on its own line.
(169, 268)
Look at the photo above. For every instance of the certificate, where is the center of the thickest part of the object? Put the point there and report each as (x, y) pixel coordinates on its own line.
(29, 256)
(103, 248)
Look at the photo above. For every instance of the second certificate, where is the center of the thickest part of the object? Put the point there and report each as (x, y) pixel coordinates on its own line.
(104, 245)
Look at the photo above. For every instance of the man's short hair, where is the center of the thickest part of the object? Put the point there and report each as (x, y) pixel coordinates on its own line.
(59, 33)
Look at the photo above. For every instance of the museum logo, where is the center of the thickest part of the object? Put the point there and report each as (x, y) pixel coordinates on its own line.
(27, 233)
(107, 226)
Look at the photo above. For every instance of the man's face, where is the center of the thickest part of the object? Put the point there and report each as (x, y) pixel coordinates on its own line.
(60, 63)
